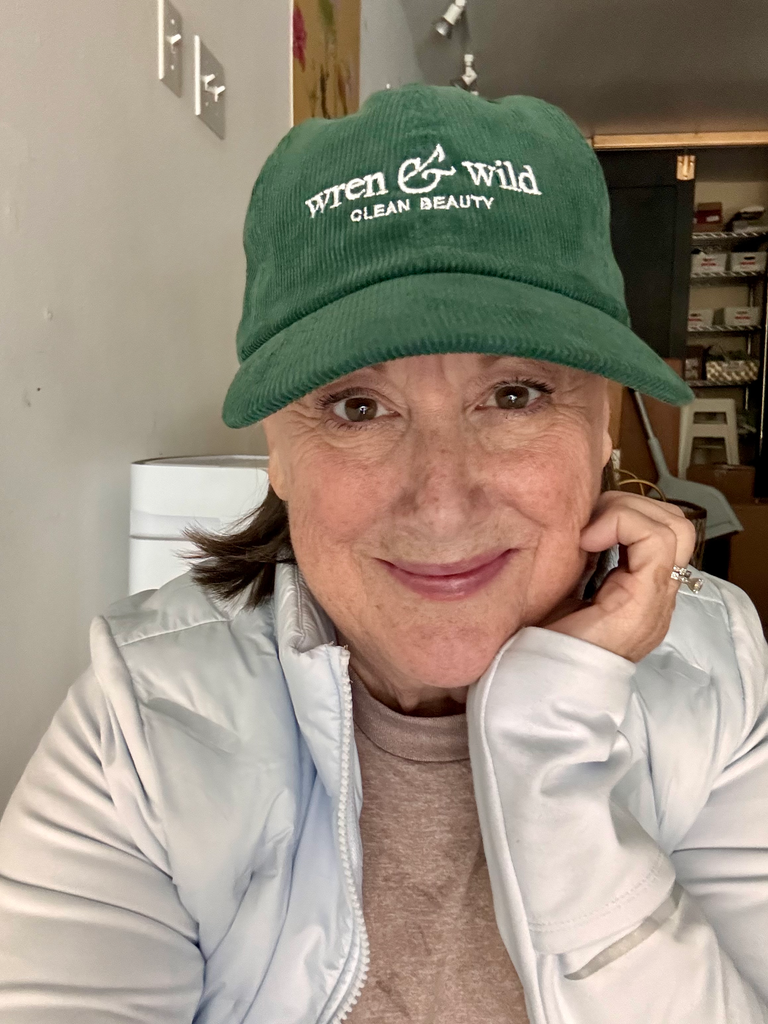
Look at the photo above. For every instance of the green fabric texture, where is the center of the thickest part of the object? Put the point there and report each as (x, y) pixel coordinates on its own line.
(431, 221)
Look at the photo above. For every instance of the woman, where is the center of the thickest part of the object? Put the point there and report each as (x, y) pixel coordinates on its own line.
(437, 736)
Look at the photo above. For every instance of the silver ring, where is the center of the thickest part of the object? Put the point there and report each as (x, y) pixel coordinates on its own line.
(683, 575)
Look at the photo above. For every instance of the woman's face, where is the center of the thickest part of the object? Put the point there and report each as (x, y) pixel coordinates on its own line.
(434, 460)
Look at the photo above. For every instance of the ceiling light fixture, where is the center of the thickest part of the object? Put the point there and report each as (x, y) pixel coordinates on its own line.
(444, 26)
(468, 79)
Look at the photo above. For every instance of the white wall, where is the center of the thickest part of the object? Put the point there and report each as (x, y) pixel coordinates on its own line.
(387, 47)
(121, 277)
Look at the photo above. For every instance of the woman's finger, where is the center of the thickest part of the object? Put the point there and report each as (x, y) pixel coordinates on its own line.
(660, 512)
(653, 544)
(654, 505)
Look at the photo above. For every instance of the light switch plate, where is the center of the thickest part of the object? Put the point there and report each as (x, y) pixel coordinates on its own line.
(169, 45)
(209, 88)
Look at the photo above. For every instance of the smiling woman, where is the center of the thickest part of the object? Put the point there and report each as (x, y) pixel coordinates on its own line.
(434, 736)
(397, 474)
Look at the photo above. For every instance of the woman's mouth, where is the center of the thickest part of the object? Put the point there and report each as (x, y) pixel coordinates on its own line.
(450, 581)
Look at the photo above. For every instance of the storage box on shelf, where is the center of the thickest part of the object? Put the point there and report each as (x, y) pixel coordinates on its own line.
(700, 319)
(747, 261)
(731, 372)
(708, 216)
(741, 316)
(708, 263)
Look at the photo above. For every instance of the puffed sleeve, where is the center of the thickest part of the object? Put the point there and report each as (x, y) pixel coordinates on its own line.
(620, 930)
(92, 930)
(722, 861)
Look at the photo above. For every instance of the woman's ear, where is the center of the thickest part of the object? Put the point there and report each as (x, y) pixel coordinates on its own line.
(607, 447)
(614, 394)
(275, 467)
(276, 479)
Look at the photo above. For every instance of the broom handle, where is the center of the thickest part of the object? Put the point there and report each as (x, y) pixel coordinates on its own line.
(653, 441)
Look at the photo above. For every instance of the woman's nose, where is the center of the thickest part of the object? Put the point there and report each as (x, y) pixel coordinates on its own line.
(443, 480)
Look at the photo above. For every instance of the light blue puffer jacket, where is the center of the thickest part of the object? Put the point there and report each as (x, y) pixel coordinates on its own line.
(184, 845)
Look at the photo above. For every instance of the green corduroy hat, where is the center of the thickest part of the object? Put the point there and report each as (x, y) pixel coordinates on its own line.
(431, 221)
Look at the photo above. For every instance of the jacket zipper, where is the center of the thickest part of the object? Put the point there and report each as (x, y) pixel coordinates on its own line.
(344, 812)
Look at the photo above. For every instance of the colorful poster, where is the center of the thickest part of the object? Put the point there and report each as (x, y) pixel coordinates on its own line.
(326, 58)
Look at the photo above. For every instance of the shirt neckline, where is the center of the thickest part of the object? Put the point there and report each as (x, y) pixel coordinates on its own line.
(412, 737)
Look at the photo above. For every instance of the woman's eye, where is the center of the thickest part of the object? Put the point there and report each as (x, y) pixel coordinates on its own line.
(358, 409)
(516, 396)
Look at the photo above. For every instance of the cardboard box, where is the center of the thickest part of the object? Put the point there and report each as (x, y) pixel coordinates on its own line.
(711, 262)
(708, 217)
(747, 261)
(737, 483)
(700, 318)
(741, 316)
(749, 555)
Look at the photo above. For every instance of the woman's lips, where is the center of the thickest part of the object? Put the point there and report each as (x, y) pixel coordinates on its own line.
(446, 582)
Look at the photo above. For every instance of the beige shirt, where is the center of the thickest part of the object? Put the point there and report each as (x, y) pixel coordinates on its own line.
(436, 953)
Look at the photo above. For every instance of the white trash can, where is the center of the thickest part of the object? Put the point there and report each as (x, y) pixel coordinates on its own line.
(168, 495)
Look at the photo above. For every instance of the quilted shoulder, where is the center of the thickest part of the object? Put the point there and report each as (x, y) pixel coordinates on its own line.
(699, 693)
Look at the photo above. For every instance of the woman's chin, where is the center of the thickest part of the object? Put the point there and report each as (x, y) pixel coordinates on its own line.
(446, 664)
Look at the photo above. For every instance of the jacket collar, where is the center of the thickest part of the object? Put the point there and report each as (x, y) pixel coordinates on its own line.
(315, 670)
(301, 624)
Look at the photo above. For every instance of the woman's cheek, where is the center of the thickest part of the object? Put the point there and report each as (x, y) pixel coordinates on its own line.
(335, 510)
(555, 486)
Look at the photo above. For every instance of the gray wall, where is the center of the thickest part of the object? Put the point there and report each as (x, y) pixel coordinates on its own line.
(614, 65)
(387, 49)
(121, 277)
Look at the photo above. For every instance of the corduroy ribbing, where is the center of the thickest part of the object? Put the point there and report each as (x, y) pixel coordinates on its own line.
(424, 181)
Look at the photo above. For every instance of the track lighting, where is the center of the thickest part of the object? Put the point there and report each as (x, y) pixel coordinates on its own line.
(468, 79)
(444, 26)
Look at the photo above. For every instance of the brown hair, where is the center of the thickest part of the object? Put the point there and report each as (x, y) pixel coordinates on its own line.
(245, 559)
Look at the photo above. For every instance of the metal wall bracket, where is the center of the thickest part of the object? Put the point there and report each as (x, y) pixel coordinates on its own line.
(209, 88)
(169, 45)
(686, 166)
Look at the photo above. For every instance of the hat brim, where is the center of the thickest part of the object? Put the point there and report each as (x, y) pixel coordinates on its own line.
(435, 313)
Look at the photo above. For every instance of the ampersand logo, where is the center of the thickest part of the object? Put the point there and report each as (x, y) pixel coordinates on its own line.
(423, 169)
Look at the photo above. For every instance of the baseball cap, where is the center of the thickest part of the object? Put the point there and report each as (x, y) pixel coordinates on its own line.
(431, 221)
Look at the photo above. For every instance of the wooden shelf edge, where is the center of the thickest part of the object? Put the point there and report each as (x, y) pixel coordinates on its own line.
(678, 140)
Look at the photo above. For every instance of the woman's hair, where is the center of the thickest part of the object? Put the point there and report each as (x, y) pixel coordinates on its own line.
(244, 559)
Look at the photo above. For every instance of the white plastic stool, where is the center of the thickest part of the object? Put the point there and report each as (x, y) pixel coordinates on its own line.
(690, 428)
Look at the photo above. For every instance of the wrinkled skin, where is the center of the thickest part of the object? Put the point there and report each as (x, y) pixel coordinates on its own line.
(443, 472)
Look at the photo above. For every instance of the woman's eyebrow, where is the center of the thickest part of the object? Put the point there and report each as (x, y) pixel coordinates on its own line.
(355, 377)
(493, 360)
(519, 368)
(494, 364)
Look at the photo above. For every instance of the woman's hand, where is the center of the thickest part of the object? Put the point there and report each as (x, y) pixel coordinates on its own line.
(631, 612)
